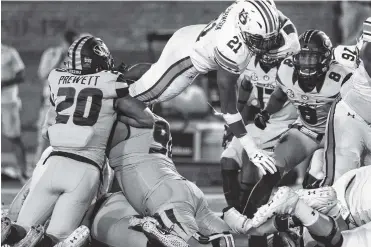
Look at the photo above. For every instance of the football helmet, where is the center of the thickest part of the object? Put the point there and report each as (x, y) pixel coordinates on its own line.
(258, 24)
(88, 55)
(268, 61)
(313, 60)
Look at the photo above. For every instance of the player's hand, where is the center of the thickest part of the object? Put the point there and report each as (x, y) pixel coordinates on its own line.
(263, 162)
(261, 119)
(122, 68)
(227, 137)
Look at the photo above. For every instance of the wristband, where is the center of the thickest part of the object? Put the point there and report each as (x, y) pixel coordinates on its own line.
(232, 118)
(248, 144)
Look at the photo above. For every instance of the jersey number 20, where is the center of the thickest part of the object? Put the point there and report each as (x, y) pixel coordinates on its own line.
(79, 116)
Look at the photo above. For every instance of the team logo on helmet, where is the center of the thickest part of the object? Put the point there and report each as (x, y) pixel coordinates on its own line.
(243, 16)
(101, 50)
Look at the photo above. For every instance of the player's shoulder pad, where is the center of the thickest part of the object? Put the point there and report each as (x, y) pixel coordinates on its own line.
(232, 54)
(285, 71)
(346, 55)
(54, 73)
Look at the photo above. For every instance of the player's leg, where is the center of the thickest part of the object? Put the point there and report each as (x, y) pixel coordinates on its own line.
(292, 148)
(173, 72)
(40, 201)
(11, 128)
(231, 162)
(111, 224)
(343, 144)
(76, 196)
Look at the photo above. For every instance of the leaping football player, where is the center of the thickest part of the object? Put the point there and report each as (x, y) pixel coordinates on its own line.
(226, 45)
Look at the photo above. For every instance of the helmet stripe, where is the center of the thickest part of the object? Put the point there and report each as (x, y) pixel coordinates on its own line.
(367, 30)
(267, 15)
(308, 35)
(272, 15)
(77, 52)
(72, 50)
(260, 11)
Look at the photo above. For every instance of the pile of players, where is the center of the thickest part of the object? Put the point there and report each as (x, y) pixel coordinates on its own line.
(100, 119)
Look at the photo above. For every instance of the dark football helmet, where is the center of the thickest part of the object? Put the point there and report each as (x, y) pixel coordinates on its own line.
(268, 62)
(313, 60)
(88, 55)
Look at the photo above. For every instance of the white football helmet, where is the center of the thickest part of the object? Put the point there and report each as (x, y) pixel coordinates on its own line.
(259, 25)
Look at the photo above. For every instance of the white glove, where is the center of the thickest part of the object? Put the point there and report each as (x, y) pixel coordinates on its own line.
(262, 160)
(238, 223)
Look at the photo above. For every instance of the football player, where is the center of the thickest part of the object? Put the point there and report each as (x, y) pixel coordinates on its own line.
(259, 79)
(349, 124)
(334, 216)
(311, 80)
(225, 45)
(141, 159)
(85, 98)
(12, 74)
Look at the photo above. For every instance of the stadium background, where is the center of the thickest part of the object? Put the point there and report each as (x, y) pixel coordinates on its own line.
(31, 27)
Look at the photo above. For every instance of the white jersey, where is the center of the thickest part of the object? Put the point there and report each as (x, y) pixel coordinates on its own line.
(313, 107)
(85, 111)
(220, 43)
(264, 81)
(11, 64)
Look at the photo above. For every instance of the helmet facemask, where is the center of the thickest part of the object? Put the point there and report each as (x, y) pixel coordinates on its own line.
(310, 66)
(259, 44)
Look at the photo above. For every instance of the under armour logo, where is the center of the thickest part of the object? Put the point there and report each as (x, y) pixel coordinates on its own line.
(313, 213)
(351, 115)
(257, 156)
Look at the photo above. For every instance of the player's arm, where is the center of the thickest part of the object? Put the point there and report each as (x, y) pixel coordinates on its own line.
(275, 103)
(18, 78)
(134, 112)
(227, 76)
(244, 94)
(18, 68)
(289, 39)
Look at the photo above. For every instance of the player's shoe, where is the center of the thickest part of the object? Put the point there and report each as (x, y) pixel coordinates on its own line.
(322, 199)
(154, 232)
(78, 238)
(33, 236)
(283, 202)
(6, 224)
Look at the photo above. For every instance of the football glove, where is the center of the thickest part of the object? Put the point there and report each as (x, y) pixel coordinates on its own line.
(122, 68)
(227, 137)
(263, 161)
(261, 119)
